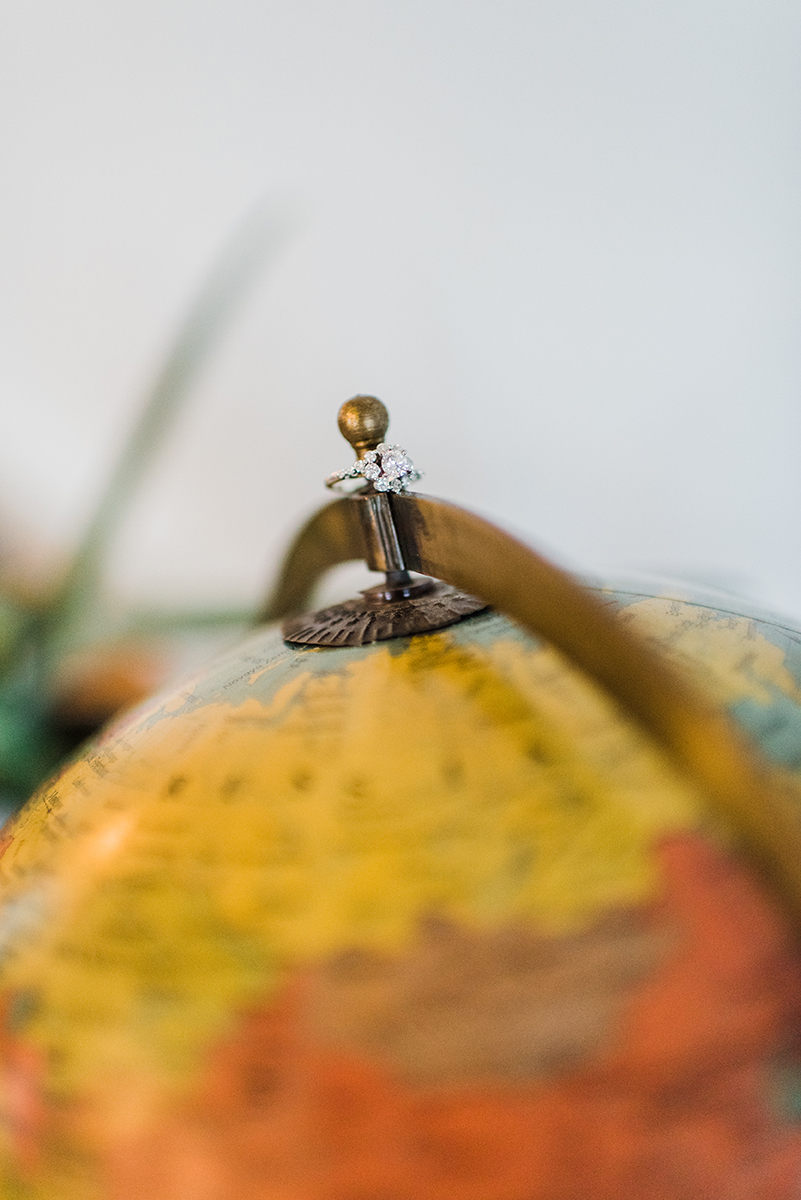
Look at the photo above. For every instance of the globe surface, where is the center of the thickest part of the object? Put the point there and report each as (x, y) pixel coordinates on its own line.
(423, 920)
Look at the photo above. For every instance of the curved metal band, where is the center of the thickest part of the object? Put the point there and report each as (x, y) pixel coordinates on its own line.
(761, 803)
(332, 536)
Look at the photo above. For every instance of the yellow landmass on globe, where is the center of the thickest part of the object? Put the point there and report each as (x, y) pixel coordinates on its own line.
(191, 863)
(726, 653)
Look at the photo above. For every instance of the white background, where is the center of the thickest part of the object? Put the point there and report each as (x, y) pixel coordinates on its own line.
(559, 239)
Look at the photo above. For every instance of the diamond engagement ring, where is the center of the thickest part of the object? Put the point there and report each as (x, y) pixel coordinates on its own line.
(388, 468)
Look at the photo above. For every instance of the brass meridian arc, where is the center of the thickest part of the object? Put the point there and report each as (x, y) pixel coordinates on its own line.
(761, 803)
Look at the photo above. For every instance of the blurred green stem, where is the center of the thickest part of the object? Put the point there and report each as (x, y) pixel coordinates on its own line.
(254, 244)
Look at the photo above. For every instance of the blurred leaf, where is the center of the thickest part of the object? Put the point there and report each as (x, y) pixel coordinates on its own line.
(37, 642)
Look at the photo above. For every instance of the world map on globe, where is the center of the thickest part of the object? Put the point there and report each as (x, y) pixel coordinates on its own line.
(429, 919)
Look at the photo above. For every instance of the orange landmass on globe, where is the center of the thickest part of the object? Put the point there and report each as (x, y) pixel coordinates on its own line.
(674, 1105)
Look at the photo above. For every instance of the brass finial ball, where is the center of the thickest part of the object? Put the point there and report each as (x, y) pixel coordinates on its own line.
(363, 421)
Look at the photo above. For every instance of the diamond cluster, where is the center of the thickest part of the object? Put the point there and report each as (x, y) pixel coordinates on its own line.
(388, 468)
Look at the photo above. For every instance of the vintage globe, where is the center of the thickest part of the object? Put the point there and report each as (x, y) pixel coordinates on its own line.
(427, 918)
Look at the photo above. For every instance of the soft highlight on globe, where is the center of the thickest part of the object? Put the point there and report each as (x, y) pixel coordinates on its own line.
(426, 916)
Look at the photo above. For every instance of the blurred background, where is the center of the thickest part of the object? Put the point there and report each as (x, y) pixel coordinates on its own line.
(559, 240)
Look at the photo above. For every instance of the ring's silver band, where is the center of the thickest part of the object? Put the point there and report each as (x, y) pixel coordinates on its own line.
(341, 476)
